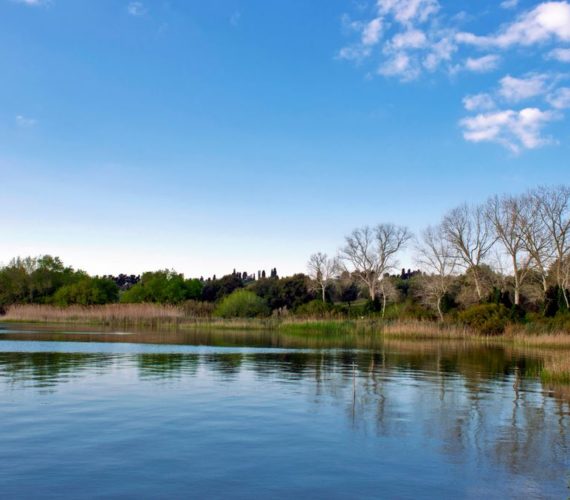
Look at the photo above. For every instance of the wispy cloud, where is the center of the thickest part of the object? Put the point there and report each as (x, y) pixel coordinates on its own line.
(518, 89)
(483, 64)
(515, 130)
(136, 9)
(560, 98)
(407, 39)
(509, 4)
(25, 121)
(548, 20)
(479, 102)
(32, 3)
(562, 55)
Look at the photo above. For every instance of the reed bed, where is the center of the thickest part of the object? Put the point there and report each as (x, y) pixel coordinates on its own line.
(169, 316)
(105, 314)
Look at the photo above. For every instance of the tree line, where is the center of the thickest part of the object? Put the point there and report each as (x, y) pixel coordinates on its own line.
(508, 256)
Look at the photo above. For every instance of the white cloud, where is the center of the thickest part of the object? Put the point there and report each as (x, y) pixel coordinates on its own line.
(408, 11)
(372, 32)
(440, 51)
(136, 9)
(518, 89)
(548, 20)
(482, 64)
(354, 53)
(560, 98)
(25, 122)
(407, 38)
(515, 130)
(410, 39)
(562, 55)
(478, 102)
(400, 65)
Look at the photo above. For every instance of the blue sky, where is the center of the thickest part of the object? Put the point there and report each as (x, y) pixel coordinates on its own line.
(204, 136)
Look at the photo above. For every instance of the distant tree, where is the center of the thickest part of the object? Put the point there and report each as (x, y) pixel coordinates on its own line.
(88, 291)
(372, 252)
(504, 216)
(215, 290)
(242, 304)
(348, 291)
(321, 270)
(471, 236)
(437, 258)
(554, 211)
(163, 287)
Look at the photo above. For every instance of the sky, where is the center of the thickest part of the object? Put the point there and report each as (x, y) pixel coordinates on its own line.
(207, 136)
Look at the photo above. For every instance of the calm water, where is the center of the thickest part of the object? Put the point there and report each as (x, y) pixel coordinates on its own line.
(170, 415)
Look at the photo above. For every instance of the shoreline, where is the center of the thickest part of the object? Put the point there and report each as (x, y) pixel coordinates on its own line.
(408, 329)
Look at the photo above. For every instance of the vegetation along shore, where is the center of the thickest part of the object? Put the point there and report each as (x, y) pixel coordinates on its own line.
(499, 268)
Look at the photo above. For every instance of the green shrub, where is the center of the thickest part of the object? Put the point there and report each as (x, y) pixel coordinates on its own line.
(163, 287)
(314, 309)
(487, 319)
(242, 304)
(87, 292)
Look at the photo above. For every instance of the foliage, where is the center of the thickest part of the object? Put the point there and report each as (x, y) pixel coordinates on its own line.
(290, 292)
(242, 304)
(487, 319)
(88, 291)
(215, 290)
(314, 309)
(163, 287)
(34, 279)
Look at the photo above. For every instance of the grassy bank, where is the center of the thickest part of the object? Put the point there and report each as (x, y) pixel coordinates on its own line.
(165, 317)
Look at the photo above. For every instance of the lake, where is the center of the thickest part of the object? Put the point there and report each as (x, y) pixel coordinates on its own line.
(147, 414)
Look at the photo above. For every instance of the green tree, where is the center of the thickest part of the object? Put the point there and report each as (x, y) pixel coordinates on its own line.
(242, 304)
(163, 287)
(88, 291)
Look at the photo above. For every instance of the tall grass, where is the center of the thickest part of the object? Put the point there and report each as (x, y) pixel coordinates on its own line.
(106, 314)
(167, 316)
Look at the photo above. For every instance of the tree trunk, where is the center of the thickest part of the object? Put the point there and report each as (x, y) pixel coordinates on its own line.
(439, 307)
(383, 304)
(517, 282)
(372, 291)
(477, 284)
(565, 295)
(324, 293)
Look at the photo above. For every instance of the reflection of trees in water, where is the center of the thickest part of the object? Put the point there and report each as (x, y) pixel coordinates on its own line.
(475, 401)
(167, 365)
(48, 369)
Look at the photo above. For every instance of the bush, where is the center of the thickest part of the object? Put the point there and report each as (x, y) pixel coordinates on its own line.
(242, 304)
(487, 319)
(163, 287)
(87, 292)
(314, 309)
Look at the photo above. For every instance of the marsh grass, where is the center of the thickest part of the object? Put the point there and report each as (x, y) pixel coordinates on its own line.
(105, 314)
(170, 316)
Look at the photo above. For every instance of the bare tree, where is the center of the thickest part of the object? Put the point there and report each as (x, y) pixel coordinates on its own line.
(372, 252)
(437, 258)
(554, 210)
(468, 232)
(536, 239)
(504, 214)
(321, 270)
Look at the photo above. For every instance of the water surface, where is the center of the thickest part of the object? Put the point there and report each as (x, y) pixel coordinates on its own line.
(98, 414)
